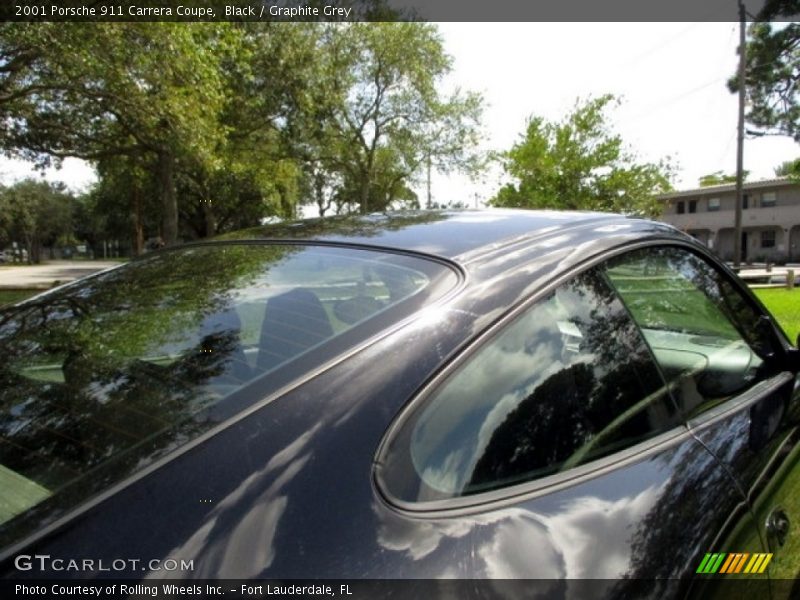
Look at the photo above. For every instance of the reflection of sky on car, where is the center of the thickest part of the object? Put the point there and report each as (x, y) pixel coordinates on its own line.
(326, 271)
(471, 407)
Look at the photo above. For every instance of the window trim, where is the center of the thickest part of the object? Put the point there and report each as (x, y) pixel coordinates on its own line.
(716, 263)
(739, 399)
(736, 404)
(527, 490)
(489, 500)
(739, 285)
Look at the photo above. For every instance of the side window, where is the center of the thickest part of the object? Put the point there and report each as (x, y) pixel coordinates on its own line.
(567, 382)
(702, 331)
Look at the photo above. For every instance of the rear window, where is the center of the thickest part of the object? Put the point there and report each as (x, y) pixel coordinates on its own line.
(99, 379)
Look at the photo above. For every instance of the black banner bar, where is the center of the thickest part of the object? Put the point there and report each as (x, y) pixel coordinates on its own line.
(376, 10)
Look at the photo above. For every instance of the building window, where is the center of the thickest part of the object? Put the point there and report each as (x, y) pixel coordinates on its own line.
(713, 204)
(768, 200)
(681, 208)
(692, 206)
(745, 201)
(768, 238)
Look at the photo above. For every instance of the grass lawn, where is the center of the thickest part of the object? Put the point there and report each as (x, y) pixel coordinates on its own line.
(785, 305)
(12, 296)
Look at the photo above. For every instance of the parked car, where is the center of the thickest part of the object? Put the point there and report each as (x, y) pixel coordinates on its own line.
(515, 395)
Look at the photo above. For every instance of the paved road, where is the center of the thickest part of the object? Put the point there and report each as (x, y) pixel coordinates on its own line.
(45, 275)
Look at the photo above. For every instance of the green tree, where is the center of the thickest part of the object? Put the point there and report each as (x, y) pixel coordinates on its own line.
(226, 124)
(257, 173)
(772, 71)
(36, 214)
(719, 178)
(123, 204)
(789, 168)
(376, 114)
(151, 92)
(580, 164)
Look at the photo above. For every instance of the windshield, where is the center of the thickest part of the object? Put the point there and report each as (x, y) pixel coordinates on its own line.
(100, 378)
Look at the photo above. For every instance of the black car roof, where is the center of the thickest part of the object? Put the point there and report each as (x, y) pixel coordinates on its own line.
(447, 233)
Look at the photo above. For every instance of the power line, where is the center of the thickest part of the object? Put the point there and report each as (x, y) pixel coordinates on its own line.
(727, 147)
(674, 99)
(659, 45)
(702, 19)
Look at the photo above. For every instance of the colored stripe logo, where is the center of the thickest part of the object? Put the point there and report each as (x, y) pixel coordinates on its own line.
(734, 562)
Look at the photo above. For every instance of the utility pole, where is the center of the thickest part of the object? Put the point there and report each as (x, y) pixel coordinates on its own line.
(430, 203)
(737, 234)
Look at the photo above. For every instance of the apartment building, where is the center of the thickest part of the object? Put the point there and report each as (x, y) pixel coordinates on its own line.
(770, 218)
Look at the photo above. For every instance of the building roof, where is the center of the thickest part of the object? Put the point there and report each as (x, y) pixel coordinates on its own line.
(730, 187)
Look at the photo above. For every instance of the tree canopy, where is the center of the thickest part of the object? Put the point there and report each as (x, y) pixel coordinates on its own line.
(36, 214)
(772, 71)
(580, 164)
(149, 92)
(789, 168)
(228, 123)
(378, 116)
(719, 178)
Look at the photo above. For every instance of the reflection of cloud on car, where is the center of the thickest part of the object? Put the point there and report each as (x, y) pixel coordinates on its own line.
(443, 394)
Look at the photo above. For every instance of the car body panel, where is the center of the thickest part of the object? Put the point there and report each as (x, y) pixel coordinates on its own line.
(250, 503)
(286, 490)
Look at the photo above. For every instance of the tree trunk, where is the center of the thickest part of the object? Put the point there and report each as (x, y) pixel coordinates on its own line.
(319, 194)
(366, 180)
(169, 201)
(137, 239)
(34, 256)
(364, 195)
(209, 218)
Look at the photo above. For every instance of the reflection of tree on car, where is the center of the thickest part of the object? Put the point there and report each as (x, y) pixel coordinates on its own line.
(461, 395)
(129, 363)
(96, 371)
